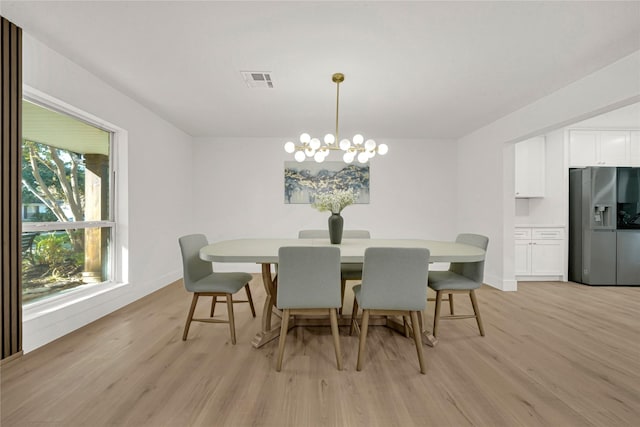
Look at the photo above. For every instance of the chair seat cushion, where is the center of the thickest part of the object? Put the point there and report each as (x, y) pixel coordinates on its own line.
(447, 280)
(351, 271)
(228, 283)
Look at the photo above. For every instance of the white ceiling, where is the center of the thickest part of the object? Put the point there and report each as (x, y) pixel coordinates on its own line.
(413, 69)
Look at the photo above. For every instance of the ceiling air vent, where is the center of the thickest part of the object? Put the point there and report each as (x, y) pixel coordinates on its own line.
(257, 79)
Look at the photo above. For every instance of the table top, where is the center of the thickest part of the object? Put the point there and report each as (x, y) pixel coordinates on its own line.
(265, 251)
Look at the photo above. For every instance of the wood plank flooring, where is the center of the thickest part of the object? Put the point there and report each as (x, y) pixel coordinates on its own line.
(555, 354)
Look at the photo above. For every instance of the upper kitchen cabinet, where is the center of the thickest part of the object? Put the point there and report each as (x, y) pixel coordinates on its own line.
(634, 148)
(530, 168)
(614, 147)
(601, 148)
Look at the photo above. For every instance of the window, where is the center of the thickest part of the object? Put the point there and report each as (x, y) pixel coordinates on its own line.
(67, 193)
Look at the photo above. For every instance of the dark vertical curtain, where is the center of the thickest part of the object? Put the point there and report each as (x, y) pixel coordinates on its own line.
(10, 175)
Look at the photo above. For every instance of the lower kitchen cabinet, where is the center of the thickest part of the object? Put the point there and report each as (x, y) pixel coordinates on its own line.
(539, 253)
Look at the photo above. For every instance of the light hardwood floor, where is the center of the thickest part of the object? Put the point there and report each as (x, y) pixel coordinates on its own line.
(555, 354)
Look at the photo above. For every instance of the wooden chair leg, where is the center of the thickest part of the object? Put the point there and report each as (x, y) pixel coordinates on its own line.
(354, 313)
(343, 285)
(232, 322)
(417, 337)
(333, 314)
(253, 310)
(213, 305)
(194, 301)
(363, 338)
(451, 304)
(284, 327)
(436, 316)
(476, 311)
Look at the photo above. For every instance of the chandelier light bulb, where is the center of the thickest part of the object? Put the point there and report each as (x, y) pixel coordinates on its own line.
(363, 157)
(370, 144)
(315, 143)
(383, 149)
(319, 157)
(309, 152)
(345, 144)
(299, 156)
(329, 138)
(358, 139)
(348, 157)
(289, 147)
(305, 138)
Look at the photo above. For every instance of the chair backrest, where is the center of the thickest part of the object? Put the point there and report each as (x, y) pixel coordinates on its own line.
(395, 278)
(471, 270)
(309, 277)
(193, 267)
(324, 234)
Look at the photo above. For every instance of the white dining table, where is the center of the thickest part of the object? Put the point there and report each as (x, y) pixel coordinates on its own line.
(265, 252)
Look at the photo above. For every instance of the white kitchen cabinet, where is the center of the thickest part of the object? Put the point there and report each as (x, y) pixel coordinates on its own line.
(614, 148)
(583, 148)
(539, 253)
(634, 148)
(599, 148)
(530, 168)
(523, 257)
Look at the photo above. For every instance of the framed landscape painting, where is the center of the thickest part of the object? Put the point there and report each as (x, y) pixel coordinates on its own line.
(302, 181)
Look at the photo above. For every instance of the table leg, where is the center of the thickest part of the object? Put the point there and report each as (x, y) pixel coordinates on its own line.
(429, 339)
(270, 300)
(427, 336)
(268, 333)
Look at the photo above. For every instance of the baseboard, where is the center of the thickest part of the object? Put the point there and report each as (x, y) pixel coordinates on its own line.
(9, 359)
(539, 278)
(500, 283)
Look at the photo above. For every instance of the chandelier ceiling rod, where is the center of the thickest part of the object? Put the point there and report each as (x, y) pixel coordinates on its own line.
(337, 78)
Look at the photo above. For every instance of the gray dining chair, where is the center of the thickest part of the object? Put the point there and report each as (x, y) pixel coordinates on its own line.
(309, 283)
(394, 283)
(200, 279)
(348, 270)
(462, 277)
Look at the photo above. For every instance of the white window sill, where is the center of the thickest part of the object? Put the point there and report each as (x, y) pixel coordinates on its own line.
(78, 295)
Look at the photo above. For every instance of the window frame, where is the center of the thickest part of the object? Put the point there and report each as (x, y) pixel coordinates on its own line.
(118, 255)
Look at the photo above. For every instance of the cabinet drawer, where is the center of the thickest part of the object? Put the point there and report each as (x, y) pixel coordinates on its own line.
(522, 234)
(548, 233)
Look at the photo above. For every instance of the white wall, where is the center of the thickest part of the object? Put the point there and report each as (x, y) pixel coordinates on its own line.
(157, 194)
(550, 209)
(485, 160)
(239, 185)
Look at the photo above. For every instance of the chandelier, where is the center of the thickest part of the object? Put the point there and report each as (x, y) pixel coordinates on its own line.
(357, 148)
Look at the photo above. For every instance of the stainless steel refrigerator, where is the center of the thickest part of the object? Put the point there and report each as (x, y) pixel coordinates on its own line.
(604, 226)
